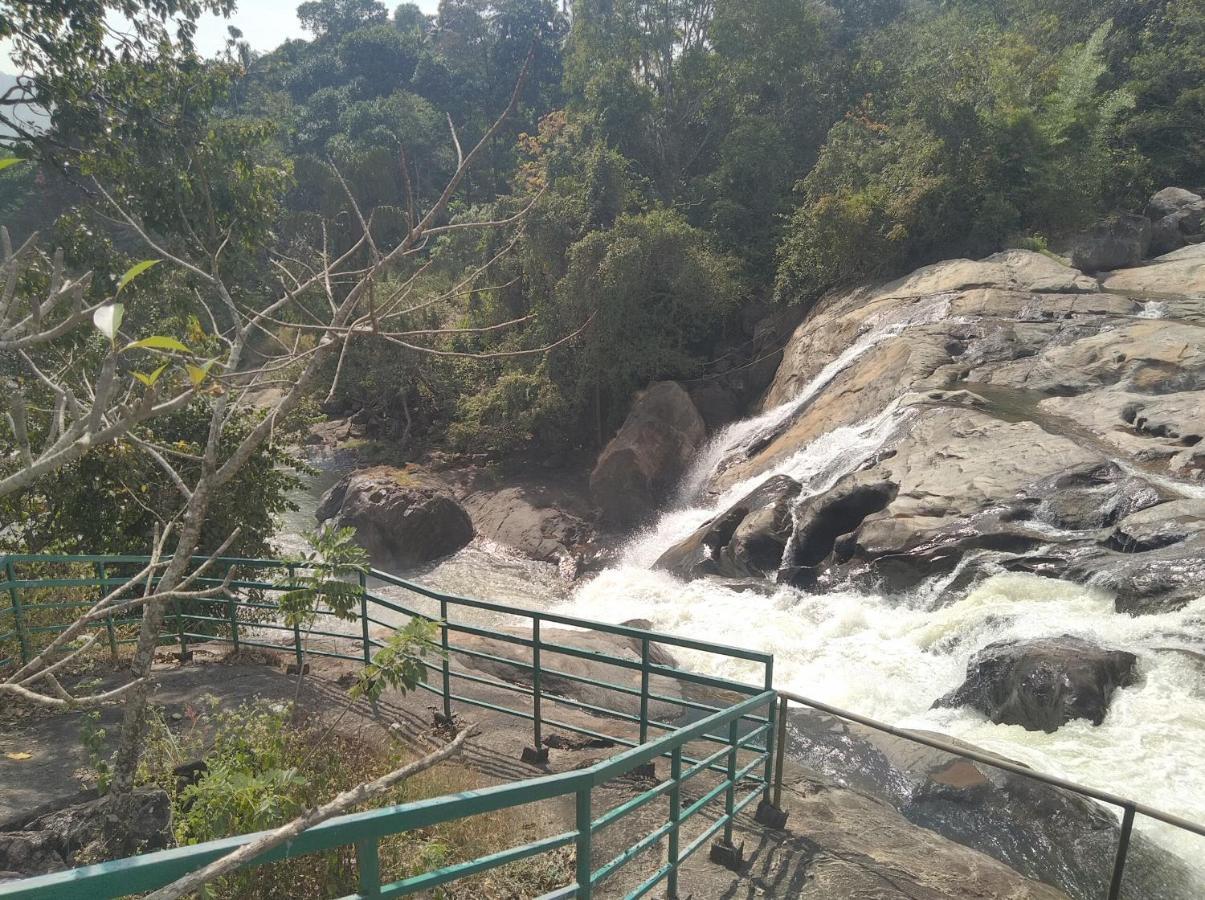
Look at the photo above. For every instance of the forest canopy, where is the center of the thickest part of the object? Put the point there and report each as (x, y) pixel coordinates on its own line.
(679, 167)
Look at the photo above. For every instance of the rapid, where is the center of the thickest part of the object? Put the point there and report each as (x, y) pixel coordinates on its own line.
(891, 656)
(886, 656)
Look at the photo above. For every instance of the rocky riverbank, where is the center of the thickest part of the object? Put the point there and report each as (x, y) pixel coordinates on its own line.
(973, 497)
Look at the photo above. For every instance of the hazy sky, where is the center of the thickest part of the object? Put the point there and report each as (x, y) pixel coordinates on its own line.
(264, 23)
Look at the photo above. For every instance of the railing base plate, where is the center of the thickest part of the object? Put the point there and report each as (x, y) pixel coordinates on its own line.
(535, 756)
(728, 855)
(771, 816)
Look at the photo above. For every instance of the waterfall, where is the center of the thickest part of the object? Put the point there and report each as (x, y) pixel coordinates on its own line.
(890, 657)
(731, 441)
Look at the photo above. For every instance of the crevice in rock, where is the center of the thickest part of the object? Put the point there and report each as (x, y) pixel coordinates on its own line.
(824, 522)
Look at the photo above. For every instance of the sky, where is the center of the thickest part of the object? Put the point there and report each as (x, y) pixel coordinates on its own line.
(265, 25)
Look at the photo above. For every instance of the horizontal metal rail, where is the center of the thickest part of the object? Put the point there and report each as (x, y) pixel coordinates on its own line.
(747, 713)
(365, 830)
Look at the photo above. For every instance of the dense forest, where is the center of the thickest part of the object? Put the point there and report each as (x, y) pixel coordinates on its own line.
(676, 171)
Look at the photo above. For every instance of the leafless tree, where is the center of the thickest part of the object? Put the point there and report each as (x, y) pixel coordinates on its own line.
(89, 408)
(348, 284)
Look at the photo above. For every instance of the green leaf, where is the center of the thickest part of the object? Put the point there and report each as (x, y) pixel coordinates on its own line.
(149, 380)
(11, 161)
(158, 342)
(197, 374)
(107, 319)
(134, 271)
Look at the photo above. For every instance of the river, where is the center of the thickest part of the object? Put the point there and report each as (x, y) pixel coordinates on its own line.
(886, 656)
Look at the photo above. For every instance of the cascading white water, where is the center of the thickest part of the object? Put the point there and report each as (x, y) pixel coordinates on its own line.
(729, 441)
(891, 657)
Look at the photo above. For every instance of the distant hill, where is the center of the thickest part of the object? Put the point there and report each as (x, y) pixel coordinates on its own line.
(33, 115)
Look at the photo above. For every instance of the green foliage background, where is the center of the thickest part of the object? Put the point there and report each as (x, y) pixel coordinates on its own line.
(680, 163)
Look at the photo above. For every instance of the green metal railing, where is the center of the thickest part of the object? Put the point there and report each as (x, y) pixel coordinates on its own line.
(732, 736)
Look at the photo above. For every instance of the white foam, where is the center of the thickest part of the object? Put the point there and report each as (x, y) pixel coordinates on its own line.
(890, 660)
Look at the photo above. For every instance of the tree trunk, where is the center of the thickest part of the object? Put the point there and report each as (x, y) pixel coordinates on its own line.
(133, 724)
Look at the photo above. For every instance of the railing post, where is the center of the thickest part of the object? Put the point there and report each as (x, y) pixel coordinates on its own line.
(725, 852)
(447, 665)
(180, 630)
(364, 616)
(769, 686)
(730, 794)
(232, 614)
(292, 570)
(18, 622)
(100, 575)
(1123, 847)
(675, 817)
(584, 835)
(535, 680)
(644, 690)
(538, 753)
(368, 864)
(769, 810)
(782, 750)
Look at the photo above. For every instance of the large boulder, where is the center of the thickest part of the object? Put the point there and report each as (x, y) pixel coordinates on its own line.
(746, 540)
(1043, 684)
(1047, 833)
(1176, 279)
(1156, 581)
(1177, 218)
(532, 520)
(1170, 200)
(1116, 242)
(402, 516)
(643, 462)
(1159, 526)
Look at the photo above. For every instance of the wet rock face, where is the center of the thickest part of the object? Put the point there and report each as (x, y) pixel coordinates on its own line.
(642, 463)
(1046, 833)
(1030, 410)
(746, 540)
(1043, 684)
(403, 517)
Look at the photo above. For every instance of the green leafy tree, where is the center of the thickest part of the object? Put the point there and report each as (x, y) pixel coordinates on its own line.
(657, 295)
(335, 18)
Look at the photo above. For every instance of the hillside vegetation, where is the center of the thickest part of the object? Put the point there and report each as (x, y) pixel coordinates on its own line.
(680, 168)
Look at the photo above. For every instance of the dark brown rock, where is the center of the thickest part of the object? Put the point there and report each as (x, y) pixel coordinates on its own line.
(746, 540)
(531, 520)
(643, 462)
(1113, 243)
(1043, 684)
(402, 517)
(1046, 833)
